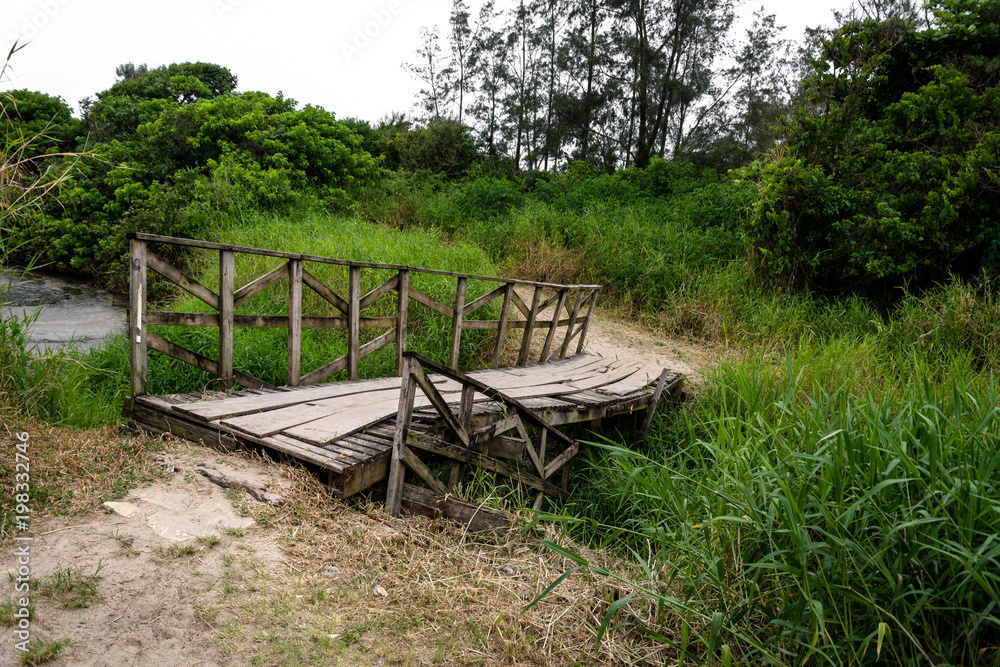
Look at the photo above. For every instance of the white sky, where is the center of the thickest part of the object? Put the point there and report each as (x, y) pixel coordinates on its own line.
(314, 52)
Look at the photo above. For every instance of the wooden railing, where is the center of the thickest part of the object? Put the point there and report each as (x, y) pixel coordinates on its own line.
(570, 303)
(550, 451)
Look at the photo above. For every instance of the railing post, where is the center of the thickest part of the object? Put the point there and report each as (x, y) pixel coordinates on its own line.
(402, 307)
(529, 327)
(502, 327)
(294, 322)
(227, 269)
(407, 393)
(572, 323)
(137, 316)
(353, 321)
(456, 323)
(550, 336)
(586, 322)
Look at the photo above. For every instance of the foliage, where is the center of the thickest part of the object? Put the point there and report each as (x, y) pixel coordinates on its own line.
(441, 146)
(888, 174)
(45, 119)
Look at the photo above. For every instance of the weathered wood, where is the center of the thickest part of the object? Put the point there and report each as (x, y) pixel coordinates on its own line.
(340, 363)
(263, 321)
(456, 324)
(458, 453)
(661, 383)
(182, 280)
(357, 478)
(586, 322)
(262, 283)
(211, 245)
(294, 368)
(572, 323)
(433, 304)
(402, 308)
(332, 297)
(506, 447)
(550, 336)
(422, 471)
(204, 363)
(431, 392)
(377, 293)
(502, 325)
(530, 448)
(137, 316)
(465, 419)
(394, 487)
(475, 518)
(529, 328)
(227, 273)
(519, 302)
(353, 321)
(559, 461)
(476, 304)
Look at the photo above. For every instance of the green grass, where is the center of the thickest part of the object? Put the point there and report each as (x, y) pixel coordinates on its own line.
(42, 651)
(71, 588)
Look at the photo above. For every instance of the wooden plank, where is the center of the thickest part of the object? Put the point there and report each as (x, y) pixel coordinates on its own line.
(465, 418)
(417, 466)
(532, 454)
(306, 452)
(138, 257)
(572, 323)
(340, 363)
(458, 453)
(506, 447)
(264, 321)
(431, 392)
(550, 336)
(353, 322)
(402, 307)
(227, 272)
(182, 280)
(262, 283)
(294, 367)
(394, 487)
(144, 416)
(456, 324)
(332, 297)
(211, 245)
(476, 304)
(433, 304)
(561, 460)
(586, 322)
(519, 302)
(661, 384)
(502, 325)
(204, 363)
(529, 329)
(475, 518)
(359, 477)
(377, 293)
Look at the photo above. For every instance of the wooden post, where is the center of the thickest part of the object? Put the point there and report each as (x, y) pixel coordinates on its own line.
(529, 328)
(550, 336)
(294, 322)
(402, 307)
(137, 316)
(227, 270)
(353, 321)
(407, 393)
(586, 322)
(572, 323)
(456, 323)
(465, 417)
(502, 327)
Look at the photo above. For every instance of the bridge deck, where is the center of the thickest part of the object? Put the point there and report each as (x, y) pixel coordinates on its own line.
(347, 428)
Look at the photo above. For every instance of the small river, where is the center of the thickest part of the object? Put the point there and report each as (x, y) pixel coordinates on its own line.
(70, 313)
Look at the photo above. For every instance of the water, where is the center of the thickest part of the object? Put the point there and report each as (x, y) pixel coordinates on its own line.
(70, 313)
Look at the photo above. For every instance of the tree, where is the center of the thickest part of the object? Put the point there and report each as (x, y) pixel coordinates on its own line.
(435, 77)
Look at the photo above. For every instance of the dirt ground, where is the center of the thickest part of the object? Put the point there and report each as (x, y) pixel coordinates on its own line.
(187, 573)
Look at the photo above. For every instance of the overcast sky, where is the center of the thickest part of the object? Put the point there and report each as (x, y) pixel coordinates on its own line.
(344, 56)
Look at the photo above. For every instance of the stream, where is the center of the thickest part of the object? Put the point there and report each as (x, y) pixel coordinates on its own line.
(71, 314)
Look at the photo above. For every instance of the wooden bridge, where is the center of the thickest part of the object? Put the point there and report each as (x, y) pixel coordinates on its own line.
(363, 432)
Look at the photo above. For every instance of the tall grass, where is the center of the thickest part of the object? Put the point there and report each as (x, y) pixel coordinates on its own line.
(262, 352)
(802, 523)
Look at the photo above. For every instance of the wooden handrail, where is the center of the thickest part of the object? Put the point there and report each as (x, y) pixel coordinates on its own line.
(568, 300)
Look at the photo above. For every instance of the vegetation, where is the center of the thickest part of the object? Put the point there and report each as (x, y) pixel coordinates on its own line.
(830, 494)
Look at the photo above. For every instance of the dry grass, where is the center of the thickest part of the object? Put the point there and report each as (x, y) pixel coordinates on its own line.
(450, 597)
